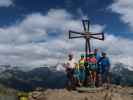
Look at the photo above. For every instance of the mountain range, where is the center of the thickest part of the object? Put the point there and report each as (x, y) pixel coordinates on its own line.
(53, 77)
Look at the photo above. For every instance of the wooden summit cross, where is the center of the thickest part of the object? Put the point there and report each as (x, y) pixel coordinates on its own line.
(86, 35)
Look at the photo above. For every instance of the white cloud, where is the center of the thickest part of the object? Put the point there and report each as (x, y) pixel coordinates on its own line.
(6, 3)
(17, 46)
(124, 9)
(37, 26)
(118, 48)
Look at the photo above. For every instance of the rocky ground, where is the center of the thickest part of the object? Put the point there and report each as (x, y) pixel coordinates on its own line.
(114, 93)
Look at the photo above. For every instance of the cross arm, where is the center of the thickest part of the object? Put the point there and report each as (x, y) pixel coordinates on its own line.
(86, 25)
(97, 37)
(76, 37)
(98, 33)
(73, 32)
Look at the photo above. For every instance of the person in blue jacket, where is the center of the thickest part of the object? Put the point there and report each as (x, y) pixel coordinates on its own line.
(104, 62)
(98, 56)
(97, 53)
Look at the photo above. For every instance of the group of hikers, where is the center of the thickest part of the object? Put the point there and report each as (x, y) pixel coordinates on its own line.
(91, 70)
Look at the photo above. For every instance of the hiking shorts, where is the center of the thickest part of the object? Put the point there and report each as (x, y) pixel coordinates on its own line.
(93, 67)
(82, 74)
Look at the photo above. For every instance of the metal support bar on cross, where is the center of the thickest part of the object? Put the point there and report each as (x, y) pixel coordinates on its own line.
(86, 35)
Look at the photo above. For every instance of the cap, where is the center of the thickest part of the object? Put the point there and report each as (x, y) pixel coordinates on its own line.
(82, 55)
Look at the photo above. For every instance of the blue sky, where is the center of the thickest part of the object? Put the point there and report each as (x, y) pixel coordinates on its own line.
(35, 32)
(96, 10)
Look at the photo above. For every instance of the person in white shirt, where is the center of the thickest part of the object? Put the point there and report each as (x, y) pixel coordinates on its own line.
(71, 61)
(70, 65)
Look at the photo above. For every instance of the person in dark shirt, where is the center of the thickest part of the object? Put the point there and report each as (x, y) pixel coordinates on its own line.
(105, 67)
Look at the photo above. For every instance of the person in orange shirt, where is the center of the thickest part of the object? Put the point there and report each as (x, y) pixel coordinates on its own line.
(82, 69)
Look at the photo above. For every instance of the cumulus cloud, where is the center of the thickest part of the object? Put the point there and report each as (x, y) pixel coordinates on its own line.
(119, 49)
(37, 26)
(124, 9)
(6, 3)
(18, 44)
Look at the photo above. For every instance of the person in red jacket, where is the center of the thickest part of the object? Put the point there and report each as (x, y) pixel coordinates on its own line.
(93, 68)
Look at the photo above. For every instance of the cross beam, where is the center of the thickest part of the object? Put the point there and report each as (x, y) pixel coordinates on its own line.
(86, 35)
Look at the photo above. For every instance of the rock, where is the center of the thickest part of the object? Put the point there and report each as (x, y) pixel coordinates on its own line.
(114, 93)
